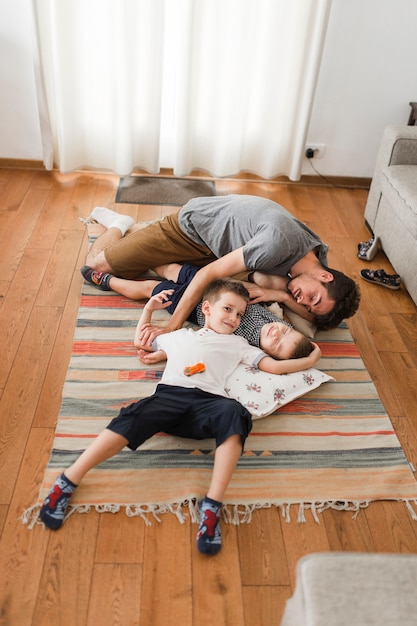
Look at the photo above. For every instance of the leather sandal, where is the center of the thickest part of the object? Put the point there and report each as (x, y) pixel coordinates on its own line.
(368, 249)
(380, 277)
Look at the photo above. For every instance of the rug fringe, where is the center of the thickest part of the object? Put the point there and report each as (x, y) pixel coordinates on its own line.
(234, 514)
(410, 508)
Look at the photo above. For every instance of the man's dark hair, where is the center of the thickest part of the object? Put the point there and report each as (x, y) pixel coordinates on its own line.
(345, 292)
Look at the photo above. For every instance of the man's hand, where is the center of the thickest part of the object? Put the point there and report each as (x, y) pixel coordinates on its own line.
(147, 334)
(268, 288)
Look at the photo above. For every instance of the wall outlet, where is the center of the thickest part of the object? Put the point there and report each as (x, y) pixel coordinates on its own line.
(319, 150)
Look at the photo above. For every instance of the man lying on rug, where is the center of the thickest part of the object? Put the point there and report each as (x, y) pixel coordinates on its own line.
(190, 401)
(261, 328)
(227, 235)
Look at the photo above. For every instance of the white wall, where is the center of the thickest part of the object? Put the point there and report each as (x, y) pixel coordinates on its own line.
(19, 120)
(367, 79)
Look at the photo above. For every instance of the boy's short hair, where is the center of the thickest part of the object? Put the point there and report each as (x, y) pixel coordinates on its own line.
(222, 285)
(303, 348)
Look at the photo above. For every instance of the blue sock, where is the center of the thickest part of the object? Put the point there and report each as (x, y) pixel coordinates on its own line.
(209, 540)
(56, 502)
(98, 279)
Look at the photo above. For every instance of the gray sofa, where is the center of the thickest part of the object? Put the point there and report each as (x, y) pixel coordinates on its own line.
(391, 209)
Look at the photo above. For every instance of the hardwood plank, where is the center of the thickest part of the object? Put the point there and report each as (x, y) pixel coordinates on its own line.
(19, 232)
(6, 218)
(47, 228)
(18, 183)
(54, 288)
(303, 538)
(56, 369)
(64, 589)
(374, 364)
(3, 513)
(217, 586)
(112, 546)
(392, 527)
(22, 551)
(4, 288)
(17, 307)
(406, 325)
(348, 533)
(106, 190)
(264, 606)
(81, 203)
(167, 585)
(115, 593)
(21, 393)
(403, 377)
(263, 538)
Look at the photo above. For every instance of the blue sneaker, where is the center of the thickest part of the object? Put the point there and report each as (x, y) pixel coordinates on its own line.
(98, 279)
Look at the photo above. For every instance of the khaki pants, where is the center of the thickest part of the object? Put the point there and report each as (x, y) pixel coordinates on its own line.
(156, 244)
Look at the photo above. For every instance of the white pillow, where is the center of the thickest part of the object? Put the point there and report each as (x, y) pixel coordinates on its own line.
(262, 393)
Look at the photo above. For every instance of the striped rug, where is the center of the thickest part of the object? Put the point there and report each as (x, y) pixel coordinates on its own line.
(334, 447)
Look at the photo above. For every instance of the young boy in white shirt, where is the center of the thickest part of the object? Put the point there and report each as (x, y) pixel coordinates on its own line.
(194, 406)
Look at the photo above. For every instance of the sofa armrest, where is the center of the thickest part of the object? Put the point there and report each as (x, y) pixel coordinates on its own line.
(398, 147)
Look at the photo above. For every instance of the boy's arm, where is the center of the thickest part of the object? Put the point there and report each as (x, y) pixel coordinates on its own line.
(150, 358)
(228, 265)
(155, 303)
(288, 366)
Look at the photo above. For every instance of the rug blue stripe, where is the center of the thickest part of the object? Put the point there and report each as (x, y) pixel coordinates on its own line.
(288, 459)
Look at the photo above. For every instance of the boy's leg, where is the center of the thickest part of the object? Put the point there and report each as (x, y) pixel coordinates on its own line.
(117, 224)
(225, 460)
(132, 289)
(96, 258)
(169, 271)
(56, 503)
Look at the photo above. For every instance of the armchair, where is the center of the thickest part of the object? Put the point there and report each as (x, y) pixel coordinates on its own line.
(391, 209)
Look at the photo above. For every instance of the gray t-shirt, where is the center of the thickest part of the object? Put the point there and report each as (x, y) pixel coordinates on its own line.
(272, 239)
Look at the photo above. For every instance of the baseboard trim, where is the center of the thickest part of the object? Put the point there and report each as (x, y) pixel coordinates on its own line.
(21, 164)
(350, 182)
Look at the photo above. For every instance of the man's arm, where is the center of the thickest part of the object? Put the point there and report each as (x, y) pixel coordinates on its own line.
(228, 265)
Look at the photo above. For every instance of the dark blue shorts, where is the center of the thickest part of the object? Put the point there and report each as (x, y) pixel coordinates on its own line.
(183, 412)
(187, 273)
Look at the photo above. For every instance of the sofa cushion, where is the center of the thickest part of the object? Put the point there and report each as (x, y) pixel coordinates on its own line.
(352, 589)
(399, 186)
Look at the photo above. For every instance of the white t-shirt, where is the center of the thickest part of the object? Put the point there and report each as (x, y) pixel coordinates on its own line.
(220, 354)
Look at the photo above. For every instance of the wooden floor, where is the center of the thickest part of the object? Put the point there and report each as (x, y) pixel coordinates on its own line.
(111, 569)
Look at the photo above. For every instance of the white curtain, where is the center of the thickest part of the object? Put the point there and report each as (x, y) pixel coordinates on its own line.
(219, 85)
